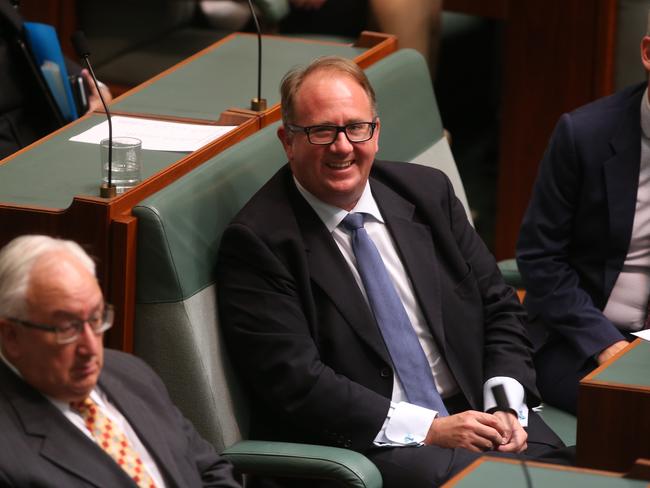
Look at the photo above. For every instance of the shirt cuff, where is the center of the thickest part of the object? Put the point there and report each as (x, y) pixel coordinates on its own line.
(514, 392)
(405, 425)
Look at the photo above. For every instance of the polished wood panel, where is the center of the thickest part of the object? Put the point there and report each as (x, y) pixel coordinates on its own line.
(558, 55)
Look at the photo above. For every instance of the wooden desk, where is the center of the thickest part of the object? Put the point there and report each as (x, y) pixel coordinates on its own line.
(51, 187)
(505, 473)
(614, 411)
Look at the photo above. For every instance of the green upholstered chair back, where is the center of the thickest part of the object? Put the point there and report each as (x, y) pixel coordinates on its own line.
(179, 229)
(411, 128)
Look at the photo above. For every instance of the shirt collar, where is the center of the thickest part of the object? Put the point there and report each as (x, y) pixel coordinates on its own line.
(332, 216)
(95, 395)
(645, 114)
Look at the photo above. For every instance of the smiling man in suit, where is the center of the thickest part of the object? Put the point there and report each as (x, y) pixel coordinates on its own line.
(361, 307)
(72, 413)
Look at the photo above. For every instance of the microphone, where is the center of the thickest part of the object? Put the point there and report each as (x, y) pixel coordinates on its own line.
(106, 190)
(503, 405)
(258, 104)
(499, 392)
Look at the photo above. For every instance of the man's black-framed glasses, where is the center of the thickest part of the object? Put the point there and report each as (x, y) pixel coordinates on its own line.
(68, 332)
(323, 135)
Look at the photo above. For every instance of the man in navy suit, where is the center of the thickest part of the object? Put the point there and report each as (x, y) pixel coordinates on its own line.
(301, 327)
(584, 245)
(52, 320)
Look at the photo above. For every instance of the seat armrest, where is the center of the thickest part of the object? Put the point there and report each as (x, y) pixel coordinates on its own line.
(510, 272)
(268, 458)
(273, 10)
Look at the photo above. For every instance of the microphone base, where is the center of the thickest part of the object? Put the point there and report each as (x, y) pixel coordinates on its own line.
(106, 191)
(258, 104)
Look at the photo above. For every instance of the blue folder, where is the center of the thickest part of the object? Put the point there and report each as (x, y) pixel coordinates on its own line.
(44, 44)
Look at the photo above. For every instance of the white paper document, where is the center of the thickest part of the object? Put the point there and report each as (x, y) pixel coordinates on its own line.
(156, 135)
(643, 334)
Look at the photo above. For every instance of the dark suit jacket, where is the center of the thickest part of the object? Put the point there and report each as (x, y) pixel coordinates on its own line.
(41, 448)
(576, 231)
(299, 329)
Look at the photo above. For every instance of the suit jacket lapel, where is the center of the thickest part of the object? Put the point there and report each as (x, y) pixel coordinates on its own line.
(331, 273)
(142, 421)
(417, 251)
(62, 443)
(621, 173)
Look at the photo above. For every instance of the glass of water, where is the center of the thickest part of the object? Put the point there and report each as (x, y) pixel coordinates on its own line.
(126, 162)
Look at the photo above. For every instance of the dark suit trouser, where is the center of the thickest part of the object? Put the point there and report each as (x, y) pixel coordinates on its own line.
(559, 371)
(429, 466)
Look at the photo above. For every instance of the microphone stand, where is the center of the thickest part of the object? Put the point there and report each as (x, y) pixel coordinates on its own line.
(258, 104)
(503, 405)
(106, 190)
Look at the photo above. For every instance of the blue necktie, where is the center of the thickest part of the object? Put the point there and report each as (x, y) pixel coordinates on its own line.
(405, 351)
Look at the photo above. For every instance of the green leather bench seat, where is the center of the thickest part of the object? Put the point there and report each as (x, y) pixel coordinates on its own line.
(563, 423)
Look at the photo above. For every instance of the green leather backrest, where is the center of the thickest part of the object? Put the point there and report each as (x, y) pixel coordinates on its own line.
(410, 121)
(179, 228)
(273, 11)
(176, 327)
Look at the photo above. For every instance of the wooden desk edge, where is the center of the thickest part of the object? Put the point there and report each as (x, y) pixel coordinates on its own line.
(556, 467)
(590, 377)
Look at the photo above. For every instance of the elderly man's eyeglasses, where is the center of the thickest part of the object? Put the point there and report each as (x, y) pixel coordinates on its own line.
(69, 331)
(323, 135)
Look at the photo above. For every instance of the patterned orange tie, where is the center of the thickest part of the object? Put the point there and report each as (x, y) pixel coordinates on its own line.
(110, 438)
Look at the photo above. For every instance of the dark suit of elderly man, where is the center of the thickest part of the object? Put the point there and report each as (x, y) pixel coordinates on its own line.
(71, 413)
(307, 327)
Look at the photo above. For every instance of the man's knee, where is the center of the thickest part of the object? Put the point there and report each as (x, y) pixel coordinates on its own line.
(424, 466)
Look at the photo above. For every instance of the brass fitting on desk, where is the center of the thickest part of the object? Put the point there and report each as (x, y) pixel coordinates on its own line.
(106, 191)
(258, 104)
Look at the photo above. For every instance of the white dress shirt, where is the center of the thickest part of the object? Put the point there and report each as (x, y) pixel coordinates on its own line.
(627, 305)
(405, 424)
